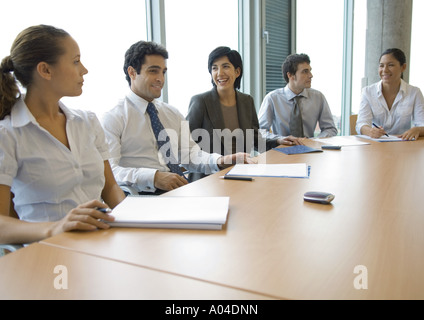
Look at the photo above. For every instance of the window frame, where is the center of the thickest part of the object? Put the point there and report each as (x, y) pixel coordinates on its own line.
(252, 47)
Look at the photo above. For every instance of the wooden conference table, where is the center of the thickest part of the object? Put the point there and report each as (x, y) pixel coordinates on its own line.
(368, 244)
(46, 272)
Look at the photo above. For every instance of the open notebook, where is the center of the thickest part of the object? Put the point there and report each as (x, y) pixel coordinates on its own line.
(172, 212)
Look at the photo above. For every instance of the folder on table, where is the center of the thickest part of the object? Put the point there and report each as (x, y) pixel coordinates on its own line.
(297, 150)
(171, 212)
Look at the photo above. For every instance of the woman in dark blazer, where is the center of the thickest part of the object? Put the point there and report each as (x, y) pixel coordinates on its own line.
(227, 116)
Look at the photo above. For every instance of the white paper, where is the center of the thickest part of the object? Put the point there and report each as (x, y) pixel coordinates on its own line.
(382, 139)
(171, 212)
(296, 170)
(340, 141)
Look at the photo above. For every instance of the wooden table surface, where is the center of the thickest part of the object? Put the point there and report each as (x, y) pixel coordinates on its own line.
(276, 245)
(46, 272)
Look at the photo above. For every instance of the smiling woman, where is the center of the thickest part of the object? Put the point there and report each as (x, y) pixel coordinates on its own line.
(401, 106)
(224, 74)
(227, 115)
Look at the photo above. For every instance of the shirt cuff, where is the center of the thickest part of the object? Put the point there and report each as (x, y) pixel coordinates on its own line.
(146, 181)
(214, 162)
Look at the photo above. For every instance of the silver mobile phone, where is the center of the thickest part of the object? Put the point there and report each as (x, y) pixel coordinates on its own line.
(318, 197)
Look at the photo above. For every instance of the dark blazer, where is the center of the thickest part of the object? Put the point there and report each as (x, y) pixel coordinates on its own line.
(205, 113)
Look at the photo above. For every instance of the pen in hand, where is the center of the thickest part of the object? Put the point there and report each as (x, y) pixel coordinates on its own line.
(104, 210)
(107, 212)
(379, 128)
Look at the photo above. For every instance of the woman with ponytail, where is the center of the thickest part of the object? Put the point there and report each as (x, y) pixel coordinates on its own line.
(54, 168)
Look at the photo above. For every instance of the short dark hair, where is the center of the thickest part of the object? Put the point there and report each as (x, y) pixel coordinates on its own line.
(136, 55)
(234, 58)
(397, 54)
(291, 63)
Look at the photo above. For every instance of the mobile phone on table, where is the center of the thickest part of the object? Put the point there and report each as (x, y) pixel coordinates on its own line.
(318, 197)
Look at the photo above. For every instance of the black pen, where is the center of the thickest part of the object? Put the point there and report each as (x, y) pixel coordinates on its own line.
(237, 178)
(379, 128)
(104, 210)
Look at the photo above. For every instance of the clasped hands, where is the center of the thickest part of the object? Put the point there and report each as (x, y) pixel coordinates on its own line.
(291, 141)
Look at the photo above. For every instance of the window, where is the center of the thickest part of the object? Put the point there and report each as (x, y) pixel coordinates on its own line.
(103, 31)
(278, 41)
(320, 35)
(193, 29)
(417, 46)
(359, 48)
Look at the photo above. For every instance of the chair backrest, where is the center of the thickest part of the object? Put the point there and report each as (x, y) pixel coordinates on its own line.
(353, 119)
(7, 248)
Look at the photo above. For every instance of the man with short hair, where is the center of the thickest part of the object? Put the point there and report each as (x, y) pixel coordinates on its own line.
(296, 109)
(148, 138)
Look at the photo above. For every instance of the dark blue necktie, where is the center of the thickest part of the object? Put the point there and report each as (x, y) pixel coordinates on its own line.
(157, 129)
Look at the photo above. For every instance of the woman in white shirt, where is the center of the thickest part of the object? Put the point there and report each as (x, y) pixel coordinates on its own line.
(391, 106)
(52, 159)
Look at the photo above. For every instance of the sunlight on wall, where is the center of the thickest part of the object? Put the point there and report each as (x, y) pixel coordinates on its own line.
(193, 29)
(103, 31)
(417, 45)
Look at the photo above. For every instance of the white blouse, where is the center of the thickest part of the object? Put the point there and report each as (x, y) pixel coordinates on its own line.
(47, 178)
(407, 109)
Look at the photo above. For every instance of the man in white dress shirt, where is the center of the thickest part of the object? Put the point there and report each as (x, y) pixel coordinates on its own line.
(276, 110)
(136, 159)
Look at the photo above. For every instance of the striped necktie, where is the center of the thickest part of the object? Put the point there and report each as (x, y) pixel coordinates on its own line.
(157, 127)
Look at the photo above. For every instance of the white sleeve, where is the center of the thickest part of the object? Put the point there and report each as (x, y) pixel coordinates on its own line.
(141, 179)
(419, 110)
(365, 115)
(8, 162)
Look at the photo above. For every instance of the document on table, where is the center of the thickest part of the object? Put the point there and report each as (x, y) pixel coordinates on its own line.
(341, 141)
(296, 170)
(390, 138)
(171, 212)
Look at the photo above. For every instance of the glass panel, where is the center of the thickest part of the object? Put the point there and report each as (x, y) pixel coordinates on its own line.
(103, 31)
(278, 47)
(359, 47)
(417, 45)
(193, 29)
(320, 35)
